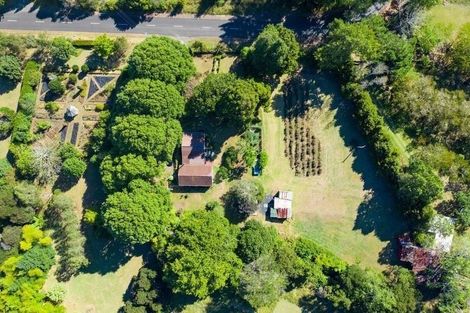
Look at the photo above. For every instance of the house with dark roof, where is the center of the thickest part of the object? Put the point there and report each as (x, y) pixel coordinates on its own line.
(425, 263)
(196, 169)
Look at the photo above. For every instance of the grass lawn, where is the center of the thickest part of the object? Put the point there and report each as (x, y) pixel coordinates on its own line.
(348, 208)
(101, 286)
(96, 292)
(453, 16)
(8, 98)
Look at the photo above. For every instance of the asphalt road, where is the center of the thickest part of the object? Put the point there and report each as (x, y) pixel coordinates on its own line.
(183, 27)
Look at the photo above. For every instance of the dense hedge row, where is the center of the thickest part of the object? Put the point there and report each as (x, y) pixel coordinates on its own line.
(26, 105)
(374, 127)
(84, 43)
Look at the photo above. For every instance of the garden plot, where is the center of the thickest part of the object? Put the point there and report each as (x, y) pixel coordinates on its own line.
(301, 146)
(78, 129)
(100, 85)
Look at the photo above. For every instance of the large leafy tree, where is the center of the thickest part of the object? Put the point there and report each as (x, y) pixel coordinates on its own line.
(255, 241)
(200, 256)
(261, 283)
(61, 50)
(73, 168)
(359, 291)
(104, 46)
(10, 68)
(146, 135)
(139, 213)
(118, 172)
(366, 41)
(243, 198)
(144, 293)
(419, 186)
(403, 285)
(224, 98)
(152, 97)
(275, 51)
(164, 59)
(455, 281)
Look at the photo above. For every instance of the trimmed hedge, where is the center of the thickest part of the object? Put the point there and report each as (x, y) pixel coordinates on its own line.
(22, 124)
(83, 43)
(374, 127)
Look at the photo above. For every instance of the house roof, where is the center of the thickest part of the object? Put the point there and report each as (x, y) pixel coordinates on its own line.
(287, 195)
(420, 258)
(195, 176)
(282, 205)
(196, 170)
(192, 148)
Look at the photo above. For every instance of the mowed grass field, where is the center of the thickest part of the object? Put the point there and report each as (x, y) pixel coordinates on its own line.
(348, 208)
(96, 292)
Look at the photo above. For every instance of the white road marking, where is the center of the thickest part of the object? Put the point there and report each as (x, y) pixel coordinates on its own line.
(206, 27)
(178, 26)
(94, 23)
(39, 21)
(12, 20)
(151, 25)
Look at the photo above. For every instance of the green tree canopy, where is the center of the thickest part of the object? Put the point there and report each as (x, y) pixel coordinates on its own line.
(152, 97)
(455, 281)
(146, 135)
(61, 50)
(243, 198)
(164, 59)
(139, 213)
(227, 99)
(73, 167)
(359, 291)
(459, 53)
(104, 46)
(403, 285)
(200, 256)
(145, 293)
(118, 172)
(138, 5)
(10, 68)
(255, 241)
(368, 40)
(261, 283)
(275, 51)
(462, 210)
(419, 186)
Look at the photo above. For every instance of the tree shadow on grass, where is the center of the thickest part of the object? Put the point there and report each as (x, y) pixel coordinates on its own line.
(94, 194)
(311, 303)
(379, 212)
(107, 254)
(104, 253)
(227, 301)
